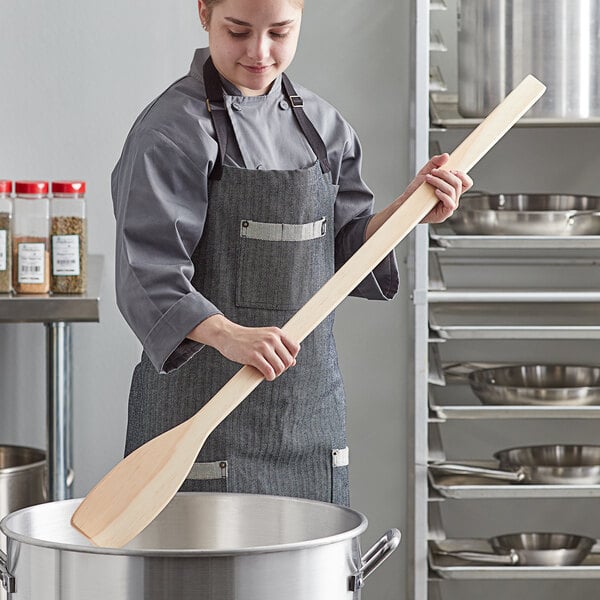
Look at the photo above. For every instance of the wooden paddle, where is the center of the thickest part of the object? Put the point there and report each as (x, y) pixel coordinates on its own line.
(132, 494)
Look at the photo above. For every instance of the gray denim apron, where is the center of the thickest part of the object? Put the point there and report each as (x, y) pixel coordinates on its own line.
(267, 247)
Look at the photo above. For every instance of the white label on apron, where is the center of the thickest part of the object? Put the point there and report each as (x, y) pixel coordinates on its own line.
(65, 255)
(3, 249)
(31, 259)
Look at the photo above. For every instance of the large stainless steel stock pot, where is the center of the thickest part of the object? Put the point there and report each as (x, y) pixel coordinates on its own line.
(203, 545)
(502, 41)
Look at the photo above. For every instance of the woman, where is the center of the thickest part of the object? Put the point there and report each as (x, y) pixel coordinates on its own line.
(236, 196)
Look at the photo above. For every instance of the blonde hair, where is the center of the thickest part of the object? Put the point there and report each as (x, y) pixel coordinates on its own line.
(210, 4)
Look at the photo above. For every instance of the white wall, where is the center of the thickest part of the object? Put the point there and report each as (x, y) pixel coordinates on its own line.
(75, 74)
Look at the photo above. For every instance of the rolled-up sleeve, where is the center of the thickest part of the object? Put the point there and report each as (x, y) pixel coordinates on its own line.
(160, 199)
(353, 211)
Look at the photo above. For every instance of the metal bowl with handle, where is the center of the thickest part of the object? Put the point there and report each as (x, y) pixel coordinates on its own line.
(527, 214)
(557, 464)
(531, 549)
(565, 385)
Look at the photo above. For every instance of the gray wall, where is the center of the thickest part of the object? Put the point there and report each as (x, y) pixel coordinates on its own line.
(75, 75)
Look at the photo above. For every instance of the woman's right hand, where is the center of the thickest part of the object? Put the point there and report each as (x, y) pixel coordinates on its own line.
(268, 349)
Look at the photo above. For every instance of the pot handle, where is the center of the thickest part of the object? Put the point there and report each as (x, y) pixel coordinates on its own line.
(374, 557)
(512, 558)
(468, 470)
(584, 213)
(462, 370)
(8, 579)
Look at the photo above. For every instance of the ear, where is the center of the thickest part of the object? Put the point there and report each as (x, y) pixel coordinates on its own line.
(202, 14)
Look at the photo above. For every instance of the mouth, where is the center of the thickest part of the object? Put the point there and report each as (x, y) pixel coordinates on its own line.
(256, 69)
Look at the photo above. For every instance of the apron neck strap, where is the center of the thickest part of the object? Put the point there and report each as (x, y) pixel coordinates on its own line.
(310, 133)
(216, 107)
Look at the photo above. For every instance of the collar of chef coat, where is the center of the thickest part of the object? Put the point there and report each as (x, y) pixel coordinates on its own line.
(196, 71)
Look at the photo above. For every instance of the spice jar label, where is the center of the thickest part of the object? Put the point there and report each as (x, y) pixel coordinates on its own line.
(65, 255)
(3, 250)
(31, 259)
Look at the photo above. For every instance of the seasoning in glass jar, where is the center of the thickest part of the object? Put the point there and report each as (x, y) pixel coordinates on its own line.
(5, 235)
(30, 238)
(68, 231)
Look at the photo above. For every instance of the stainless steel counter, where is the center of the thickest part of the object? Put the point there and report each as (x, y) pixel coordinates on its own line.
(45, 308)
(57, 312)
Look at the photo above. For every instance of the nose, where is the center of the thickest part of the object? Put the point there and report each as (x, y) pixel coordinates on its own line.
(259, 48)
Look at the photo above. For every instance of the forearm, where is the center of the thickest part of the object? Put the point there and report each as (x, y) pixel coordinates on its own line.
(267, 349)
(382, 216)
(212, 331)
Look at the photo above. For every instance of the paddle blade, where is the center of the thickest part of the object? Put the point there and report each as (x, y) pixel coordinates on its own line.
(134, 492)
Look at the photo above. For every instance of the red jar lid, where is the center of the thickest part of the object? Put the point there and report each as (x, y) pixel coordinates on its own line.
(31, 187)
(5, 186)
(68, 187)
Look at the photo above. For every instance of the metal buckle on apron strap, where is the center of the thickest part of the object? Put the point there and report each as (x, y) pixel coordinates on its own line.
(296, 101)
(208, 470)
(340, 457)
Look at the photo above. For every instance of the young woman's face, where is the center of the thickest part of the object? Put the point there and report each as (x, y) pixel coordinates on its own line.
(252, 41)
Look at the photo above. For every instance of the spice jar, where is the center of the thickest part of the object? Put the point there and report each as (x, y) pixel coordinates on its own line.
(30, 238)
(68, 231)
(5, 235)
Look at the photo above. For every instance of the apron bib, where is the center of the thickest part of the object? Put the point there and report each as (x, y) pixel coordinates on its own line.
(267, 247)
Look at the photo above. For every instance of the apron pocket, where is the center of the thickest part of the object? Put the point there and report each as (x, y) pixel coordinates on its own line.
(340, 489)
(282, 265)
(207, 477)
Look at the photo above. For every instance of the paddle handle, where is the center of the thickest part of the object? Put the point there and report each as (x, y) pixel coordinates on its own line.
(413, 210)
(380, 244)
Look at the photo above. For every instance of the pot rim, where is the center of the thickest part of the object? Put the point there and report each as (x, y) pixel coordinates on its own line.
(188, 552)
(40, 463)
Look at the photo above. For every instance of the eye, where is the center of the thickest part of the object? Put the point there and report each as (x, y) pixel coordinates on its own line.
(237, 34)
(280, 33)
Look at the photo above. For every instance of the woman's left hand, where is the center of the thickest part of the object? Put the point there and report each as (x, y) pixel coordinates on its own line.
(448, 186)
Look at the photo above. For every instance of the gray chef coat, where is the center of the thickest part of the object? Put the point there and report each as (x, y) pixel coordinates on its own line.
(160, 197)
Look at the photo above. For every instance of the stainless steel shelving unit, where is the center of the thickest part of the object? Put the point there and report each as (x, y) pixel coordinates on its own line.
(444, 112)
(57, 312)
(446, 567)
(442, 236)
(448, 412)
(440, 315)
(462, 489)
